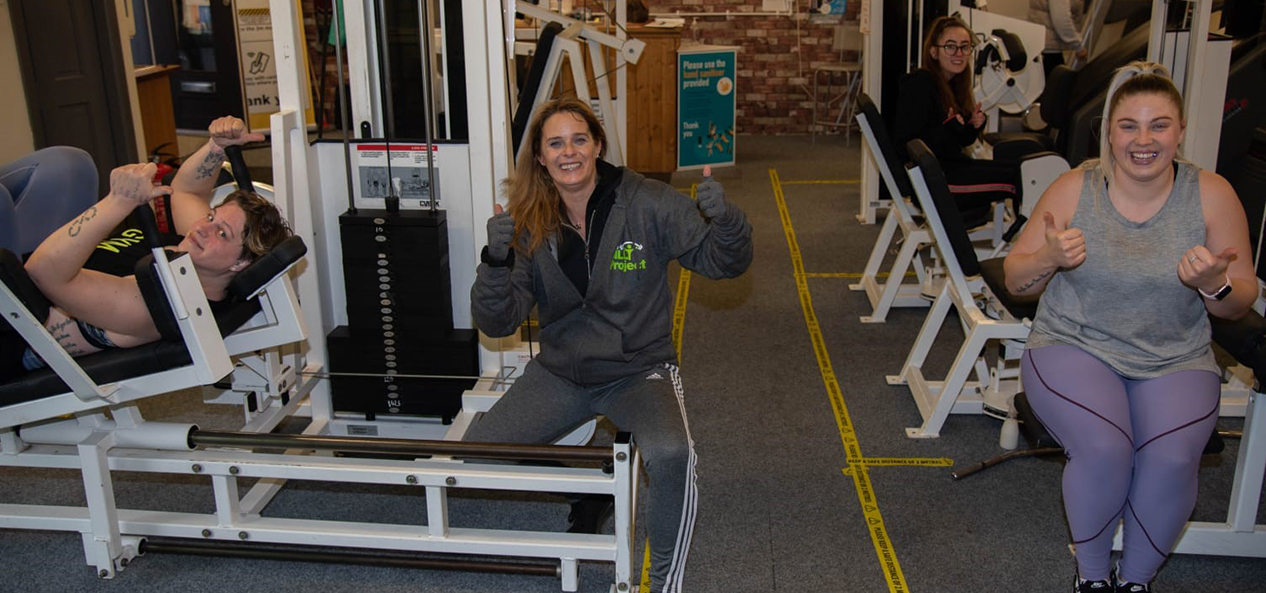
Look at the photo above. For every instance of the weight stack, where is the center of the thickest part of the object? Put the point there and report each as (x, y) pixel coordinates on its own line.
(400, 319)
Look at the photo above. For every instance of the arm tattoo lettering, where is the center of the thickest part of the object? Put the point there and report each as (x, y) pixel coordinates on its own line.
(1031, 283)
(210, 166)
(77, 224)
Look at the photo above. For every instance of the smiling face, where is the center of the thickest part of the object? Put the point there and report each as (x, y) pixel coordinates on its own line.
(953, 62)
(1144, 134)
(215, 244)
(570, 153)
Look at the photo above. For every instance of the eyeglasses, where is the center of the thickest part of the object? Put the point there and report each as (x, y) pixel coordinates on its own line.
(952, 49)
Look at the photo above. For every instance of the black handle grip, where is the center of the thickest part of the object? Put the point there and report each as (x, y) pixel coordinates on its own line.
(240, 174)
(145, 219)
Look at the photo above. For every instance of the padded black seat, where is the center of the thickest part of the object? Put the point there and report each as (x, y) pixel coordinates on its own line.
(117, 364)
(1023, 306)
(894, 162)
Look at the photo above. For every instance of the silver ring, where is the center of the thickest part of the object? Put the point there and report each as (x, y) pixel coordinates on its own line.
(1192, 258)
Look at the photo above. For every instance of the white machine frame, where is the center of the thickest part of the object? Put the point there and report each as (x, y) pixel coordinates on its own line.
(281, 368)
(99, 445)
(567, 44)
(989, 322)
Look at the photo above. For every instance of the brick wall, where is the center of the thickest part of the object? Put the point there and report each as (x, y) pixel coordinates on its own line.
(776, 61)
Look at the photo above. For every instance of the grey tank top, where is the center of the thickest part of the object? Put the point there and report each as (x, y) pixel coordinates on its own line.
(1125, 305)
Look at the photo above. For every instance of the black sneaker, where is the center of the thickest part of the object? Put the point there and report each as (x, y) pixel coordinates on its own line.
(1133, 588)
(1100, 586)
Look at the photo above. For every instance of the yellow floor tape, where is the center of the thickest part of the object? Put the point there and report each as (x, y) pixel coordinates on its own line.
(861, 477)
(916, 461)
(848, 274)
(823, 182)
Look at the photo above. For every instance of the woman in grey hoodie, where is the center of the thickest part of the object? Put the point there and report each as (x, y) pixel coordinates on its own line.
(589, 244)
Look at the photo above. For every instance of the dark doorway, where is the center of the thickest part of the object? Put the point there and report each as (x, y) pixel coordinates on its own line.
(76, 82)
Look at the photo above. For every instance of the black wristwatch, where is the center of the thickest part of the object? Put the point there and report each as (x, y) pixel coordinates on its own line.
(505, 263)
(1218, 294)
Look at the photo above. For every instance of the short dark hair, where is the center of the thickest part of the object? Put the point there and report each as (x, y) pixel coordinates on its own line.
(264, 227)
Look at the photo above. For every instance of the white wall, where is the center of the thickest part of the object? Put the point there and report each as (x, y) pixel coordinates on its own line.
(17, 139)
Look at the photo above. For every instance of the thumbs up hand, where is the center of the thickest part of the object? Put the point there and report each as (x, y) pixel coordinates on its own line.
(500, 233)
(711, 196)
(1065, 247)
(1200, 268)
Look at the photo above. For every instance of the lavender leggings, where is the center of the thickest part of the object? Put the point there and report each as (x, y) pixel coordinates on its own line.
(1133, 449)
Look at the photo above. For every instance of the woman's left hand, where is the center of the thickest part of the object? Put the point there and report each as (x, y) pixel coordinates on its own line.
(977, 117)
(711, 196)
(1201, 269)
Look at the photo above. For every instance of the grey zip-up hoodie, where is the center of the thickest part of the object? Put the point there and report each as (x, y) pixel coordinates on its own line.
(623, 324)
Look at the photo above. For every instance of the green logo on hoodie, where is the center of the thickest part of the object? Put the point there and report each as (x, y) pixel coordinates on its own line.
(622, 259)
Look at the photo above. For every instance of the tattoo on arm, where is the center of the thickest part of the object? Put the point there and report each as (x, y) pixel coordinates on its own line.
(1033, 282)
(210, 166)
(78, 224)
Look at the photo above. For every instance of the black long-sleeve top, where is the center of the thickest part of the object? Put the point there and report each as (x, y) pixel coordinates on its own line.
(921, 114)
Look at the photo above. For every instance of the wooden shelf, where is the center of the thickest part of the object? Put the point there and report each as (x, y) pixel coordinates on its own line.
(158, 117)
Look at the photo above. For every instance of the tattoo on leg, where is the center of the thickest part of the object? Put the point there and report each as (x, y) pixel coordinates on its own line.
(1034, 281)
(61, 334)
(210, 166)
(78, 224)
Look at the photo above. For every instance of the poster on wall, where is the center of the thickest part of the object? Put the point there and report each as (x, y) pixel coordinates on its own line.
(705, 105)
(258, 66)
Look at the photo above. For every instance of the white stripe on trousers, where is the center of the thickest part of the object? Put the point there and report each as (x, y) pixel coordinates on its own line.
(690, 498)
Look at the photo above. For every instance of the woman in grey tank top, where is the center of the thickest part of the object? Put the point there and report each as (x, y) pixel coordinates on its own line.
(1131, 253)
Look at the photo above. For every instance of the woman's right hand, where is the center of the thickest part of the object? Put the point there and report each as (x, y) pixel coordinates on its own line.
(500, 233)
(135, 184)
(1065, 247)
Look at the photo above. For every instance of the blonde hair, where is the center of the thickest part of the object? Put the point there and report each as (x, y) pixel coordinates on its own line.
(533, 198)
(1136, 78)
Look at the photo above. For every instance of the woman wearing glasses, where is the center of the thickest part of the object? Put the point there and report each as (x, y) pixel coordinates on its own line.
(935, 105)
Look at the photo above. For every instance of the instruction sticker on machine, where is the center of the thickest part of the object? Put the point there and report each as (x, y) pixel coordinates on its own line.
(705, 106)
(407, 173)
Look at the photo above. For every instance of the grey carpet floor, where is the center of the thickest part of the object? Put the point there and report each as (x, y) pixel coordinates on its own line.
(777, 510)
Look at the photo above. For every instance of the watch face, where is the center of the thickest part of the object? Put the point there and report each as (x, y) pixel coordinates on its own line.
(1222, 292)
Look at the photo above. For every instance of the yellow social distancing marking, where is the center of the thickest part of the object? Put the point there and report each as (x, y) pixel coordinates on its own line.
(823, 182)
(848, 436)
(848, 274)
(912, 461)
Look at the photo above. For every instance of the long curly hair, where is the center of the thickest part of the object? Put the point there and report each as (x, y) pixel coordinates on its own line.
(955, 92)
(533, 198)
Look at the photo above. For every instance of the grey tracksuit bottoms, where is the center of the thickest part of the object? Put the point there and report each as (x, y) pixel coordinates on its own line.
(541, 407)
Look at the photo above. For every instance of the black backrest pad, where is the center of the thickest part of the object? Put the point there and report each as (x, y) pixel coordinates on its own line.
(1015, 48)
(1243, 338)
(527, 94)
(267, 266)
(151, 286)
(13, 274)
(1056, 95)
(894, 163)
(946, 207)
